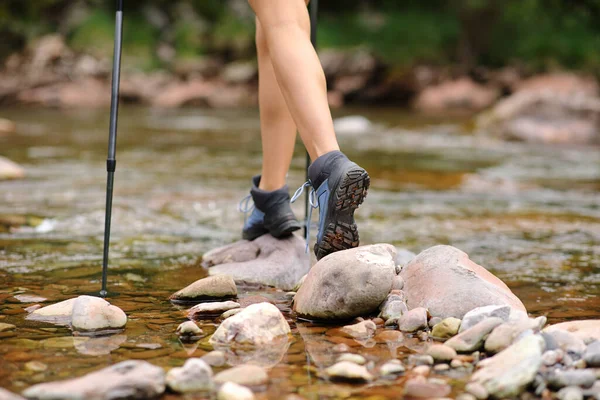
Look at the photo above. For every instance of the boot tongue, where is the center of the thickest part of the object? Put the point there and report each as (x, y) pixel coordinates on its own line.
(321, 168)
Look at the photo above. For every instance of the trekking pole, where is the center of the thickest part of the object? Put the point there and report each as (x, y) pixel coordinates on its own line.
(111, 161)
(313, 8)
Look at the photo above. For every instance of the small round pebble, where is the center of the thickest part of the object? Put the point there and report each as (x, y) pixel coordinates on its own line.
(230, 313)
(233, 391)
(570, 393)
(456, 363)
(188, 329)
(422, 370)
(353, 358)
(420, 359)
(441, 352)
(341, 348)
(347, 371)
(392, 367)
(441, 367)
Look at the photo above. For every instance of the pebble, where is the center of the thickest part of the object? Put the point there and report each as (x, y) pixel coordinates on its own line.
(230, 313)
(347, 371)
(246, 375)
(189, 330)
(6, 327)
(565, 341)
(36, 366)
(392, 367)
(445, 329)
(570, 393)
(423, 389)
(592, 354)
(479, 314)
(552, 357)
(211, 309)
(441, 352)
(361, 330)
(434, 321)
(456, 363)
(341, 348)
(422, 370)
(194, 376)
(397, 283)
(580, 377)
(420, 359)
(472, 339)
(392, 311)
(353, 358)
(441, 367)
(211, 287)
(290, 295)
(477, 390)
(215, 358)
(413, 320)
(233, 391)
(6, 395)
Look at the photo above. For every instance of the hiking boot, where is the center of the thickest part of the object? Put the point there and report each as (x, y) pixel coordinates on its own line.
(271, 214)
(340, 186)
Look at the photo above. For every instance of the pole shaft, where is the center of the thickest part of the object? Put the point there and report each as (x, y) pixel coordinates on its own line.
(112, 139)
(313, 8)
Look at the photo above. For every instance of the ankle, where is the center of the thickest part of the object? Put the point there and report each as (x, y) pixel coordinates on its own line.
(270, 185)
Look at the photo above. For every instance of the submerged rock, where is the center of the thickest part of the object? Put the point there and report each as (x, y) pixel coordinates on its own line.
(233, 391)
(10, 170)
(265, 261)
(211, 309)
(247, 375)
(212, 287)
(131, 379)
(447, 328)
(347, 283)
(92, 314)
(413, 320)
(348, 372)
(472, 339)
(509, 372)
(445, 281)
(257, 324)
(194, 376)
(361, 330)
(188, 330)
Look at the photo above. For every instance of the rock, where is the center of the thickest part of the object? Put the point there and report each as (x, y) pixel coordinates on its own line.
(233, 391)
(441, 352)
(584, 378)
(353, 358)
(585, 329)
(570, 393)
(420, 359)
(441, 367)
(361, 330)
(246, 375)
(188, 330)
(6, 327)
(413, 320)
(347, 283)
(466, 396)
(392, 311)
(266, 261)
(562, 82)
(203, 310)
(566, 341)
(92, 314)
(297, 286)
(10, 170)
(215, 358)
(456, 363)
(403, 257)
(194, 376)
(419, 387)
(509, 372)
(98, 346)
(348, 372)
(230, 313)
(552, 357)
(591, 354)
(178, 94)
(352, 125)
(35, 366)
(480, 313)
(83, 93)
(132, 379)
(472, 339)
(6, 395)
(212, 287)
(446, 282)
(460, 95)
(29, 298)
(423, 370)
(544, 116)
(257, 324)
(391, 368)
(477, 390)
(7, 126)
(504, 335)
(434, 321)
(446, 329)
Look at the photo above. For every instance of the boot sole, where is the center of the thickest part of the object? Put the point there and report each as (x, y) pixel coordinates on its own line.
(341, 233)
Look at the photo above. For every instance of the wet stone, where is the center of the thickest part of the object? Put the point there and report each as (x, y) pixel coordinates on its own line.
(203, 310)
(413, 320)
(420, 359)
(233, 391)
(570, 393)
(188, 330)
(361, 330)
(353, 358)
(584, 378)
(36, 366)
(194, 376)
(421, 388)
(215, 358)
(477, 390)
(392, 368)
(212, 287)
(6, 395)
(472, 339)
(92, 314)
(592, 354)
(441, 352)
(348, 372)
(445, 329)
(230, 313)
(422, 370)
(478, 314)
(6, 327)
(246, 375)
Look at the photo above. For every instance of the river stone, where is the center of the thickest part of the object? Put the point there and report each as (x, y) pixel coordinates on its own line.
(570, 393)
(233, 391)
(480, 313)
(420, 359)
(264, 261)
(246, 375)
(578, 377)
(397, 283)
(10, 170)
(231, 313)
(58, 313)
(212, 287)
(585, 329)
(477, 390)
(472, 339)
(6, 327)
(441, 352)
(347, 284)
(509, 372)
(392, 311)
(189, 330)
(257, 324)
(92, 313)
(566, 341)
(194, 376)
(445, 281)
(211, 309)
(446, 329)
(349, 372)
(592, 354)
(419, 387)
(404, 256)
(391, 368)
(353, 358)
(413, 320)
(215, 358)
(504, 335)
(361, 330)
(6, 395)
(132, 379)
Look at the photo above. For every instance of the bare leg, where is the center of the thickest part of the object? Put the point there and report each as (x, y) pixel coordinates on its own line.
(285, 26)
(278, 130)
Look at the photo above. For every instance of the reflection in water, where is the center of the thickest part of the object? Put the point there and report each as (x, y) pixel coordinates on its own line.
(529, 212)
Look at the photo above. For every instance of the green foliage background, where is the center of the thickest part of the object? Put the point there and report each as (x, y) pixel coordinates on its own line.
(536, 34)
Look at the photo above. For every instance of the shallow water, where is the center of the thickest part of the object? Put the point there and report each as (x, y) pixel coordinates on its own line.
(529, 213)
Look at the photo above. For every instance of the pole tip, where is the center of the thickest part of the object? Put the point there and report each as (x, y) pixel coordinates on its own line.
(103, 293)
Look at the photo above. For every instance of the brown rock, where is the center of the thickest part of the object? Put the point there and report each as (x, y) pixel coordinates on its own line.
(459, 95)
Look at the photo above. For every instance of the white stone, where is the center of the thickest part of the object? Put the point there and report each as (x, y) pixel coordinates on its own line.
(94, 314)
(233, 391)
(194, 376)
